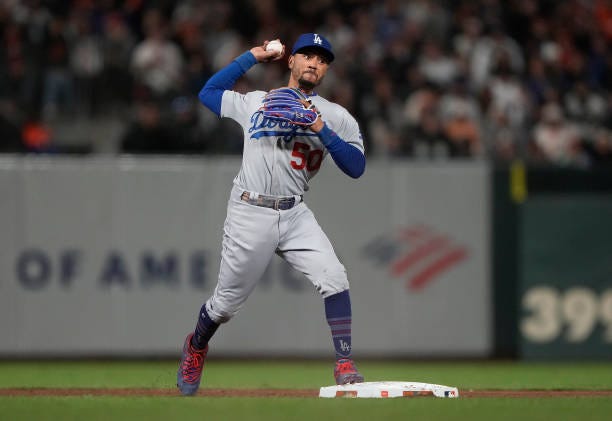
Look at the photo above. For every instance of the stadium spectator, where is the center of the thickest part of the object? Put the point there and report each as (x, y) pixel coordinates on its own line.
(427, 139)
(599, 150)
(87, 65)
(157, 62)
(10, 136)
(383, 115)
(463, 133)
(397, 70)
(147, 133)
(457, 97)
(587, 108)
(438, 67)
(539, 83)
(603, 17)
(13, 63)
(117, 45)
(488, 52)
(507, 102)
(557, 139)
(58, 87)
(188, 135)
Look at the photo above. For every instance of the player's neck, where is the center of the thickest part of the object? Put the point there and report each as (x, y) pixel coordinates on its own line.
(295, 84)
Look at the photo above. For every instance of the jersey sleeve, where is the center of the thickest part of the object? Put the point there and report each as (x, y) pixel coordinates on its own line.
(349, 131)
(344, 142)
(239, 106)
(233, 105)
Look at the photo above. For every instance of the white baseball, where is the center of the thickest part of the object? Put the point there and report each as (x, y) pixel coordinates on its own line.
(275, 45)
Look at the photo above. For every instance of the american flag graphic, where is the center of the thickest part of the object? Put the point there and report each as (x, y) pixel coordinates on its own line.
(416, 253)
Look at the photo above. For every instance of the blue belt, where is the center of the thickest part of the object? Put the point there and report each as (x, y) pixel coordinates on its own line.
(276, 203)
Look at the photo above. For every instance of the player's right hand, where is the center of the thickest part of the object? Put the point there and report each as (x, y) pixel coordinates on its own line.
(263, 56)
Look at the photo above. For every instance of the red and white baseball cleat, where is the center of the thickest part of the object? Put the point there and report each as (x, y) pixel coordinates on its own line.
(190, 368)
(345, 372)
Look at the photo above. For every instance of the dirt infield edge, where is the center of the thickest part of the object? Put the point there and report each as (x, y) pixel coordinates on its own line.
(277, 393)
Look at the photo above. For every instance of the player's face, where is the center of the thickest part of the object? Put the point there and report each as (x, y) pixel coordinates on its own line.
(308, 68)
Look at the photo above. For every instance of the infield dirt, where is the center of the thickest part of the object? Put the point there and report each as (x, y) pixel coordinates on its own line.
(280, 393)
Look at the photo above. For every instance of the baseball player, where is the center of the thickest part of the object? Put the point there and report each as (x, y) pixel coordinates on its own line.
(287, 134)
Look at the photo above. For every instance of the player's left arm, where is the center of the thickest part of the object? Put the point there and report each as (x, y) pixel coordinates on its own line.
(347, 156)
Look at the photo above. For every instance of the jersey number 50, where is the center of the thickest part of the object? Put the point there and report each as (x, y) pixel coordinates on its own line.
(305, 157)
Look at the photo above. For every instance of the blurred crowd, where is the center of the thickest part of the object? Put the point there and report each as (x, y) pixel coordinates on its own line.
(429, 79)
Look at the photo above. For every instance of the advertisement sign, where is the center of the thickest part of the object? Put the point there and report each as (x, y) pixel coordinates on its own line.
(114, 257)
(566, 276)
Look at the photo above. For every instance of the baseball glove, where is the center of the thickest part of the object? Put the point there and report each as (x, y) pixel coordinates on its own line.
(291, 105)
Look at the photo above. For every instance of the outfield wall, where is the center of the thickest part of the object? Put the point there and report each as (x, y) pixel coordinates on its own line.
(552, 263)
(113, 257)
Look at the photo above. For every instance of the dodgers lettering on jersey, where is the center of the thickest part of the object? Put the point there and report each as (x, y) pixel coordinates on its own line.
(268, 127)
(279, 158)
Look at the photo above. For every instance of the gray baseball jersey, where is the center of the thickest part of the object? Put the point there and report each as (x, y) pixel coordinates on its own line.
(278, 160)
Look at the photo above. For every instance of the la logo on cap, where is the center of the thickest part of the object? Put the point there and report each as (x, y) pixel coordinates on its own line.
(317, 41)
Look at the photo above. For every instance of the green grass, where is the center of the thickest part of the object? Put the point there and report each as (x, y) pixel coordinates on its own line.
(309, 374)
(104, 408)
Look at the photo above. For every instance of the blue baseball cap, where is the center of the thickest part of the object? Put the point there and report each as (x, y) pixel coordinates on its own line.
(314, 41)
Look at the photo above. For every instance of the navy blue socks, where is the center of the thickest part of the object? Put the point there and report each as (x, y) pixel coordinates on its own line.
(338, 314)
(204, 330)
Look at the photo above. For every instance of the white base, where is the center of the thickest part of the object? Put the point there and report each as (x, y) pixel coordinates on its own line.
(388, 390)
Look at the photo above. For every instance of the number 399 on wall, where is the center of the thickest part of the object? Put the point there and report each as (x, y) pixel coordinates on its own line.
(572, 316)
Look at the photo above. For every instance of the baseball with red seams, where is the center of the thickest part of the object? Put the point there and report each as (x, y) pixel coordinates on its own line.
(275, 45)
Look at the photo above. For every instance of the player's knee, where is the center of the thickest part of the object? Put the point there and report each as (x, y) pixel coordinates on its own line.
(219, 313)
(332, 281)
